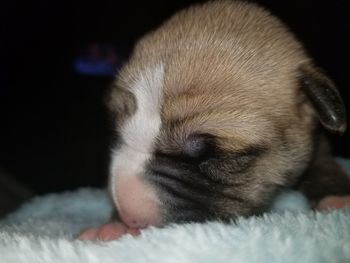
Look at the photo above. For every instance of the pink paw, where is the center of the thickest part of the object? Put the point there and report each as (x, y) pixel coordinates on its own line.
(107, 232)
(333, 202)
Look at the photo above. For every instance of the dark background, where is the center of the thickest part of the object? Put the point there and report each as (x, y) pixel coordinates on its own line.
(54, 127)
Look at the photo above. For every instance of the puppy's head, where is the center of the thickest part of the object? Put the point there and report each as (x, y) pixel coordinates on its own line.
(214, 112)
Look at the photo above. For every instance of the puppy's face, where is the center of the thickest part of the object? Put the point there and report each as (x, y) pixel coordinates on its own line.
(204, 133)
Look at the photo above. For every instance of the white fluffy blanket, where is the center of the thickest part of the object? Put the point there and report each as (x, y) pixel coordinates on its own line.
(43, 230)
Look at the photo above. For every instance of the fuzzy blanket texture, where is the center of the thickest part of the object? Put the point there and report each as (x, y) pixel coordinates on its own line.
(43, 230)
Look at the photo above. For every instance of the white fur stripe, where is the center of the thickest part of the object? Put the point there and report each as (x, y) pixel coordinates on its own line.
(141, 129)
(139, 132)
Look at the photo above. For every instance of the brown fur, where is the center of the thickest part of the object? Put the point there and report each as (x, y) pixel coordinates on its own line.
(232, 70)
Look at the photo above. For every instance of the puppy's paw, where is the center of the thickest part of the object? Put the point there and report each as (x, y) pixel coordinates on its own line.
(333, 202)
(107, 232)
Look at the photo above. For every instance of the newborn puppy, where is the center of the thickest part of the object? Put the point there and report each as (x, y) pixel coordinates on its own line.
(216, 112)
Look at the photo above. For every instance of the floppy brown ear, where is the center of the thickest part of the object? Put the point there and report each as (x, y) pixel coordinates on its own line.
(324, 97)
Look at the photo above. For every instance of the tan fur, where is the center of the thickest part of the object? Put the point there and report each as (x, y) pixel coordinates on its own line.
(231, 70)
(212, 79)
(209, 67)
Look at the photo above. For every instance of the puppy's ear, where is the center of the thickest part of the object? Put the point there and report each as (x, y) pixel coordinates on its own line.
(120, 102)
(324, 97)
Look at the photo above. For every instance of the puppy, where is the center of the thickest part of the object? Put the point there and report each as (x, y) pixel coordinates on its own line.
(216, 112)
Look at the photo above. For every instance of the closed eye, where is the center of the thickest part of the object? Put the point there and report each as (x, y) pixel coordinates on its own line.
(233, 162)
(199, 146)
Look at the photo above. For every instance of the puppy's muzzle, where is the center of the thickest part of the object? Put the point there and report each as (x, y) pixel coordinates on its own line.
(137, 203)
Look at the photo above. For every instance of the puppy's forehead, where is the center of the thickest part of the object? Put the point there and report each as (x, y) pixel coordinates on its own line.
(225, 109)
(236, 126)
(170, 113)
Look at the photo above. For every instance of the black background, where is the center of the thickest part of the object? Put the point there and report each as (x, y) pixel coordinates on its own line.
(54, 127)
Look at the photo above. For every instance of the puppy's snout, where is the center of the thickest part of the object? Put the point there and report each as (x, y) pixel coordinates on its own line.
(137, 203)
